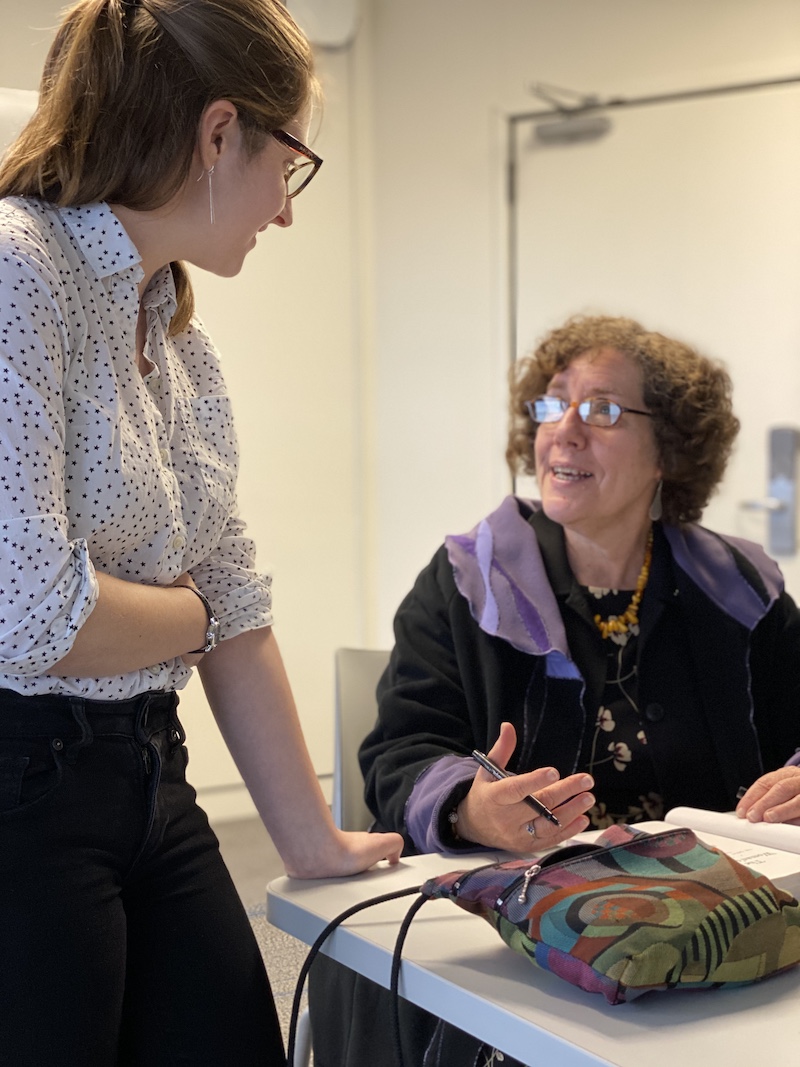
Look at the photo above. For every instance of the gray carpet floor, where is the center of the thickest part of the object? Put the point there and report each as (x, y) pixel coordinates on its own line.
(283, 956)
(253, 861)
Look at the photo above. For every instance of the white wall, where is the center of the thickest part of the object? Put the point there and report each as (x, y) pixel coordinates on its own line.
(445, 73)
(366, 348)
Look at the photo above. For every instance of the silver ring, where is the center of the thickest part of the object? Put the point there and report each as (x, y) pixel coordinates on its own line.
(531, 828)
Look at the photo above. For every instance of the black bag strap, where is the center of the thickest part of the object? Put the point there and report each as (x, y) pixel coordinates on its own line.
(395, 977)
(323, 937)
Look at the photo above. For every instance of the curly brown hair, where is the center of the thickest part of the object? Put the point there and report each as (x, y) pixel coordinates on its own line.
(688, 394)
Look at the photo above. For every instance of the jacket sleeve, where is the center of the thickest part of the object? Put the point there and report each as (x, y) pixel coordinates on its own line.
(416, 761)
(775, 674)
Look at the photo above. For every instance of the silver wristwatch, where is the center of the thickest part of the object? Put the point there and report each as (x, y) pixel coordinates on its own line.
(212, 629)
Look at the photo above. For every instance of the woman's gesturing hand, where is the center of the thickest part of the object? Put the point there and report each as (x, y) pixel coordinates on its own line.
(494, 813)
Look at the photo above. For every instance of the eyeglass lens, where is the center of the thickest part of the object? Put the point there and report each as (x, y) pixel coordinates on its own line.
(595, 411)
(297, 176)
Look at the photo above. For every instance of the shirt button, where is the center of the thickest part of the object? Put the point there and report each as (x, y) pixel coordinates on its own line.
(179, 541)
(654, 713)
(164, 453)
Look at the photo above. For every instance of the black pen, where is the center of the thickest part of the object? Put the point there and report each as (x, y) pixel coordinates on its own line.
(498, 772)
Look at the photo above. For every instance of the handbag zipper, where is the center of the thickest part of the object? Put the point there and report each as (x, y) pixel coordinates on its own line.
(570, 852)
(462, 881)
(575, 853)
(524, 881)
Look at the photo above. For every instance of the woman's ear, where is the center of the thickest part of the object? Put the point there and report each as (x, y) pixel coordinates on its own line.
(219, 127)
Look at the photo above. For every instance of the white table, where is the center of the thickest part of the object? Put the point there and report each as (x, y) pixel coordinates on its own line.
(456, 966)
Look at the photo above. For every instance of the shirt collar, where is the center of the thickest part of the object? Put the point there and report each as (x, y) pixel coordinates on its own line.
(161, 292)
(109, 251)
(102, 239)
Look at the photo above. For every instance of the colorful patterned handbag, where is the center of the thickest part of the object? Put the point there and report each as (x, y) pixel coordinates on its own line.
(635, 912)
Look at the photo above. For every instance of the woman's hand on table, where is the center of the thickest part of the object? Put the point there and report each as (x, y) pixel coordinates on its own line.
(494, 813)
(772, 798)
(352, 852)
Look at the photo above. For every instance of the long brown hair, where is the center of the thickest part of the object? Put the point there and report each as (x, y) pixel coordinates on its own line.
(123, 89)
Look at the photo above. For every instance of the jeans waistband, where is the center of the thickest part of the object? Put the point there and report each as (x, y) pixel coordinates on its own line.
(54, 714)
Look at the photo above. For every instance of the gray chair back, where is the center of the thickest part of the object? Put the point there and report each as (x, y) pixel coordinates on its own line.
(356, 708)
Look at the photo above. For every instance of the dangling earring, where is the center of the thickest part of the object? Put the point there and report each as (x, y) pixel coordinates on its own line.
(209, 172)
(211, 202)
(656, 508)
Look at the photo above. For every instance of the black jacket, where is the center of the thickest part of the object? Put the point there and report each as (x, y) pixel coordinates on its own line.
(721, 698)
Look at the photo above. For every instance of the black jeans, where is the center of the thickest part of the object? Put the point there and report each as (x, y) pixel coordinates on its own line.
(122, 938)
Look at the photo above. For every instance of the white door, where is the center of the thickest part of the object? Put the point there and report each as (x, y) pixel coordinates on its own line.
(686, 216)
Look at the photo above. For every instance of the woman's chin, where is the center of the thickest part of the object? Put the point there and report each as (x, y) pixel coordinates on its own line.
(562, 508)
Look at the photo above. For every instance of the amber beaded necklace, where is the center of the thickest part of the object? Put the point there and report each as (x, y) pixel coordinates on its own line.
(630, 617)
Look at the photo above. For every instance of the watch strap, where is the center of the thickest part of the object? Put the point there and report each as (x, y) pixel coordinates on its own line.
(212, 630)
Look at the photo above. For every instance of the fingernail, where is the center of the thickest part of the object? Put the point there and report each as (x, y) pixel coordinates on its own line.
(552, 774)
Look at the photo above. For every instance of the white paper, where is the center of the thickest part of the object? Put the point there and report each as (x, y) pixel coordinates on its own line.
(756, 845)
(776, 835)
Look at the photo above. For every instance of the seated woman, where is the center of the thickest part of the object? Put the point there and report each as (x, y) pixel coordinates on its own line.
(619, 639)
(616, 656)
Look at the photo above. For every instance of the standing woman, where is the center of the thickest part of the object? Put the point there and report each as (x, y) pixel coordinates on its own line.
(167, 131)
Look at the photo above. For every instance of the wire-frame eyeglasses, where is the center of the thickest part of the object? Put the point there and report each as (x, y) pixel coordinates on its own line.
(594, 411)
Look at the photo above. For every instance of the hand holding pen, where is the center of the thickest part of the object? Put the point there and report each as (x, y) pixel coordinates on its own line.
(498, 773)
(491, 813)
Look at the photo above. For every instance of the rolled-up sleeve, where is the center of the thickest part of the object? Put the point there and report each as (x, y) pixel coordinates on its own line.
(240, 595)
(47, 590)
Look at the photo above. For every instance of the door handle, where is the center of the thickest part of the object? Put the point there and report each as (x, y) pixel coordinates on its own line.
(781, 500)
(769, 503)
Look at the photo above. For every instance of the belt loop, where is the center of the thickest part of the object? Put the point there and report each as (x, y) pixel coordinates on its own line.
(177, 734)
(143, 735)
(77, 706)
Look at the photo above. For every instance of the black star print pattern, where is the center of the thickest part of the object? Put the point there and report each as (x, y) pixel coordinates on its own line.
(101, 467)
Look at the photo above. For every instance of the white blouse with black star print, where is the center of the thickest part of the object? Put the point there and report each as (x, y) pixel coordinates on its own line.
(100, 467)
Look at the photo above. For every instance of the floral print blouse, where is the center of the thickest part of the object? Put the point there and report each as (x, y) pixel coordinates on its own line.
(615, 749)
